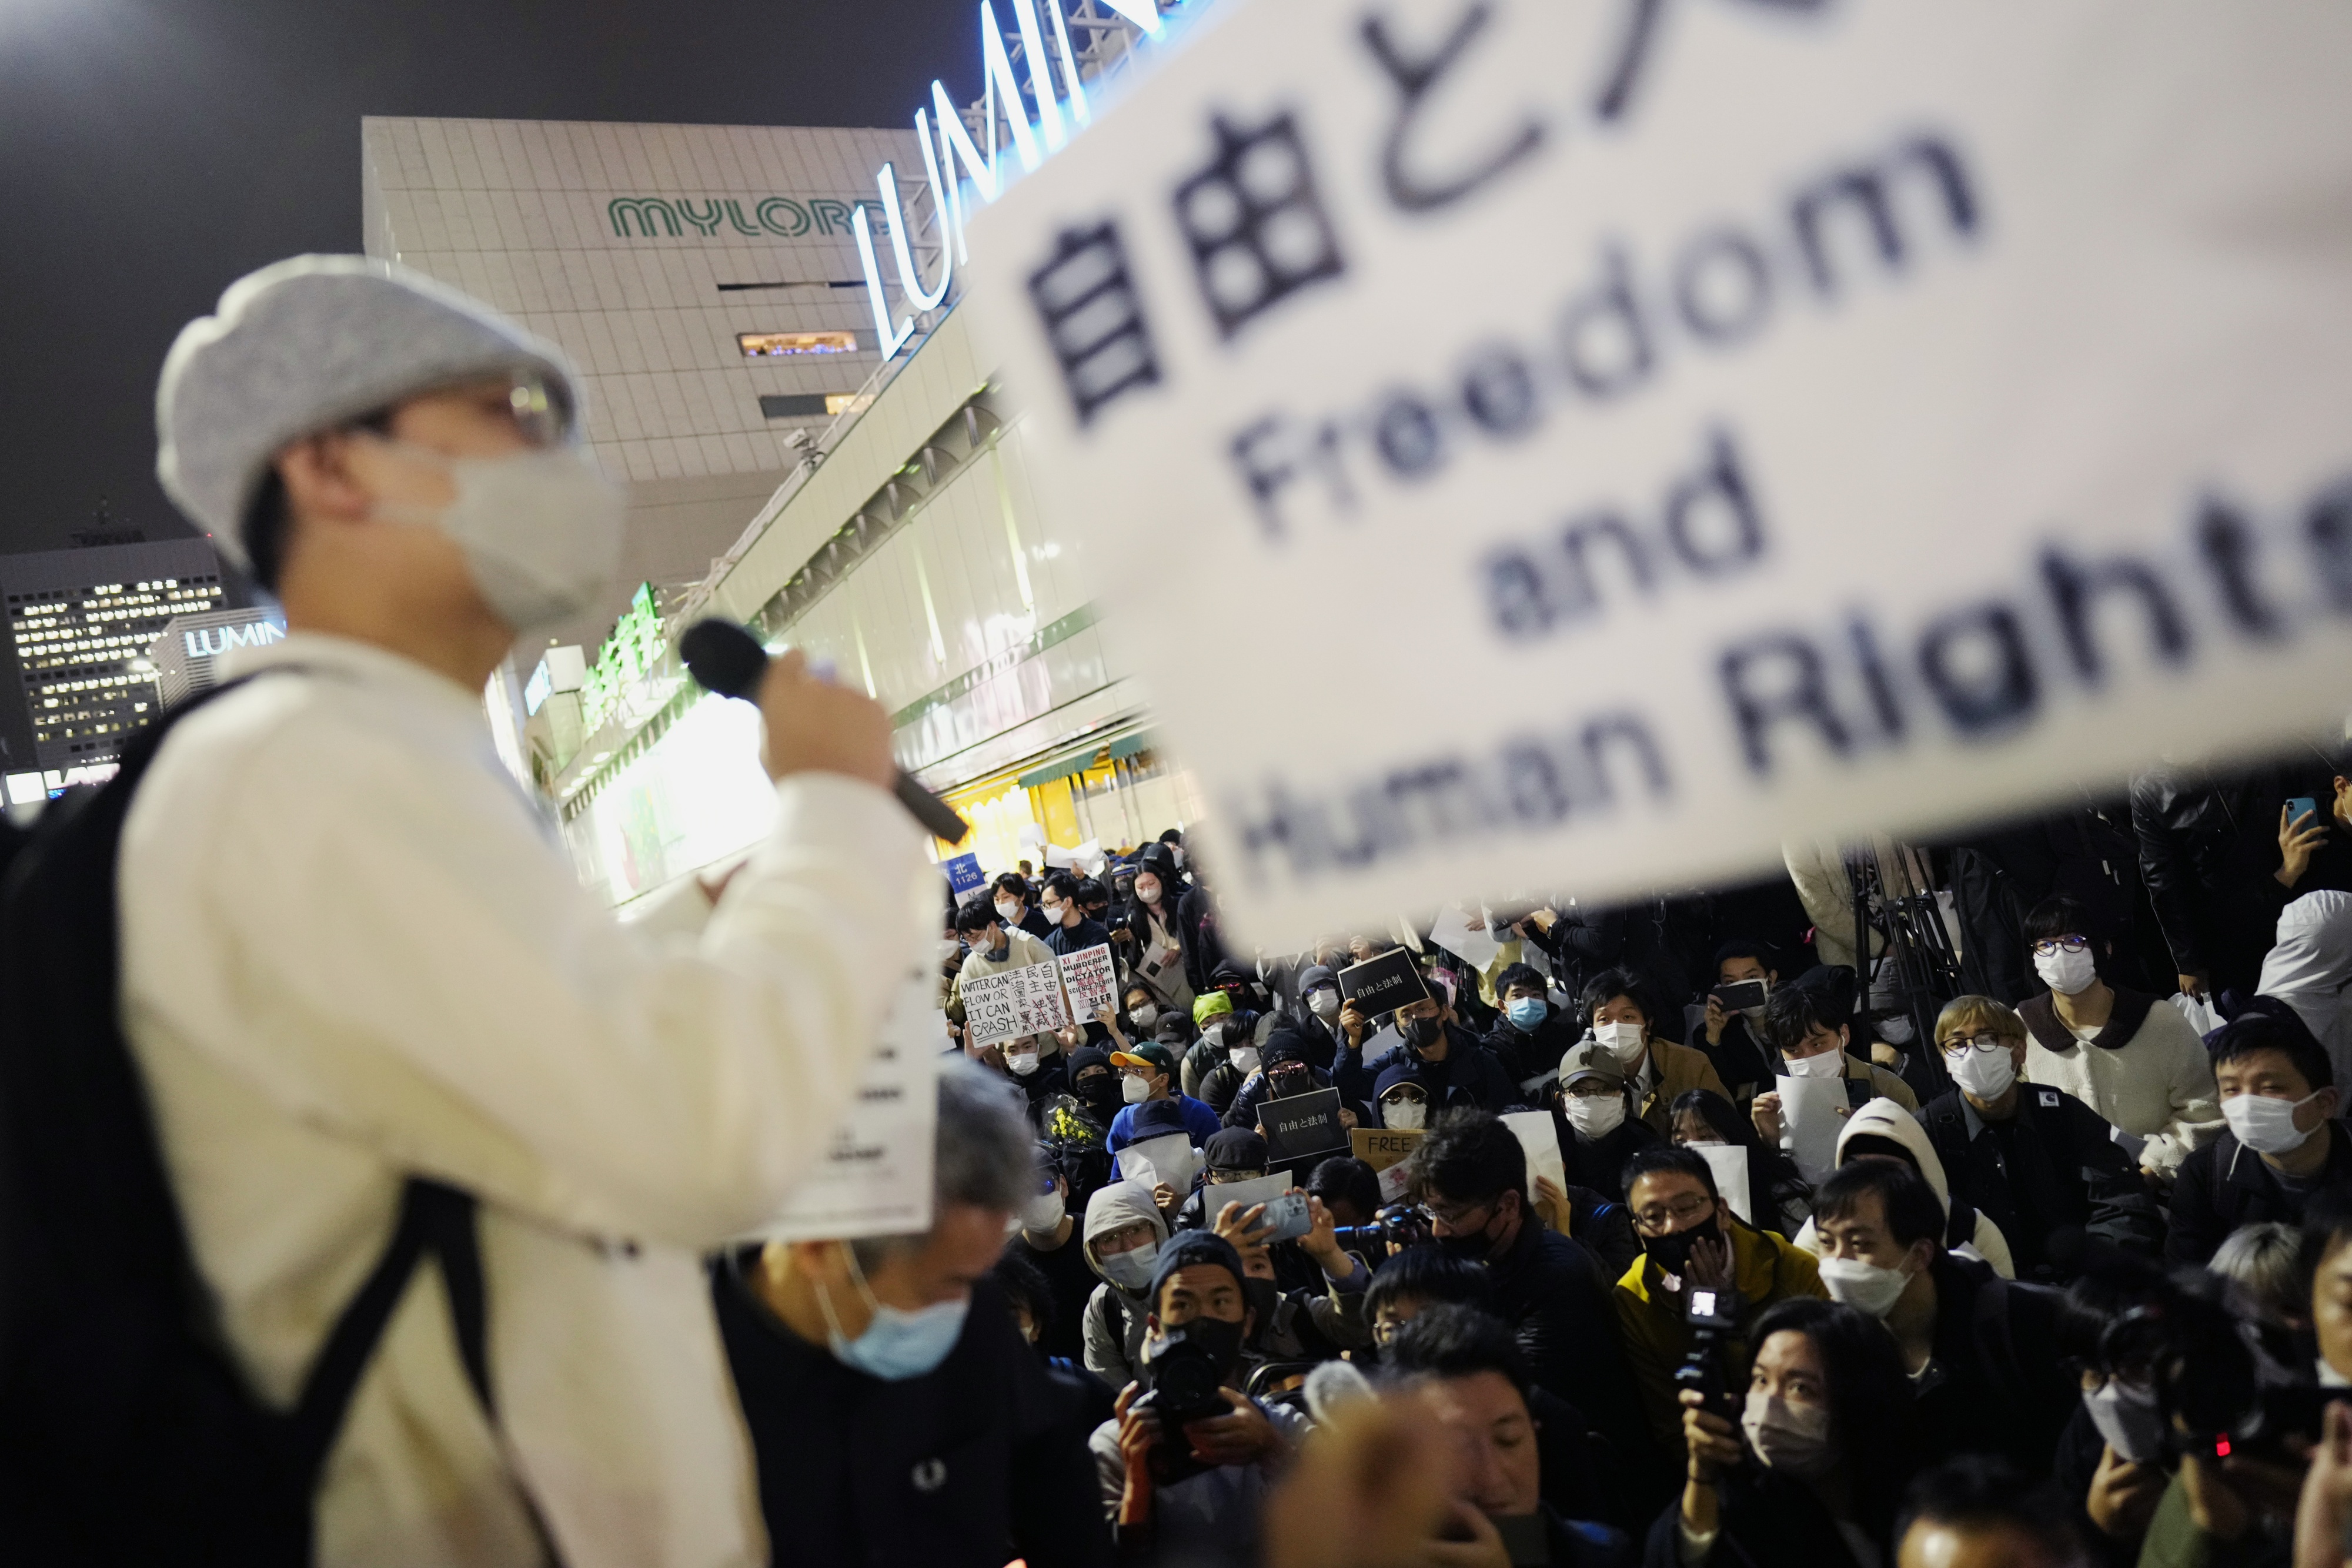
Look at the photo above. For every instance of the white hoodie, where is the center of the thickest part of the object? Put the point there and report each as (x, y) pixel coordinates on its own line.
(1886, 1119)
(2310, 969)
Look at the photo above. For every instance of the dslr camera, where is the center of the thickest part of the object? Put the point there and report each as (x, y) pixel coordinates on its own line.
(1184, 1383)
(1392, 1229)
(1714, 1317)
(2226, 1382)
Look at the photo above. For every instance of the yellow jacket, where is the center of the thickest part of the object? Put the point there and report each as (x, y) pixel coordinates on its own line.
(1766, 1268)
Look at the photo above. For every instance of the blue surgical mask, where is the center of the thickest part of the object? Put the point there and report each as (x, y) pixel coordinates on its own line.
(1525, 1013)
(897, 1344)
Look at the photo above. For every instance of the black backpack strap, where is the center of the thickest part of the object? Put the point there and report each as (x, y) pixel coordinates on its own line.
(433, 1219)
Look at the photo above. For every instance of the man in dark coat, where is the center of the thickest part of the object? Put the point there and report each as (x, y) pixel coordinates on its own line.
(1450, 1064)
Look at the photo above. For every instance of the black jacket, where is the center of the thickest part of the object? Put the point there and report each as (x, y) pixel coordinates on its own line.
(1601, 1164)
(1765, 1521)
(1204, 949)
(2052, 1177)
(2000, 1385)
(1529, 1056)
(978, 1462)
(1468, 1076)
(2207, 847)
(1242, 1112)
(1550, 1288)
(1738, 1059)
(1052, 1078)
(2226, 1185)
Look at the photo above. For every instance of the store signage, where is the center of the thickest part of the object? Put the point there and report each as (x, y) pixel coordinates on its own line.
(211, 642)
(955, 153)
(1796, 419)
(627, 657)
(712, 217)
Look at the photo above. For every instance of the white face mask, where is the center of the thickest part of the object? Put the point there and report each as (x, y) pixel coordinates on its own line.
(2126, 1417)
(1134, 1090)
(1792, 1439)
(1324, 1003)
(1623, 1040)
(2067, 973)
(1895, 1030)
(1864, 1287)
(1022, 1062)
(1985, 1074)
(1405, 1116)
(1042, 1213)
(1007, 910)
(1594, 1117)
(541, 531)
(1143, 1016)
(1132, 1270)
(1149, 891)
(1244, 1058)
(1828, 1064)
(2266, 1125)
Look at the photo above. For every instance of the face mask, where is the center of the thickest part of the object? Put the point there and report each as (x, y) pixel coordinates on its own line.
(2067, 973)
(1986, 1074)
(1419, 1033)
(1177, 850)
(1134, 1090)
(1594, 1117)
(1828, 1064)
(1007, 910)
(1244, 1058)
(1623, 1040)
(1054, 912)
(1405, 1116)
(1132, 1271)
(541, 531)
(1864, 1287)
(897, 1344)
(1022, 1062)
(2126, 1417)
(950, 948)
(1792, 1439)
(1147, 890)
(1472, 1247)
(1042, 1212)
(1143, 1016)
(1525, 1013)
(1098, 1092)
(1672, 1253)
(2266, 1125)
(1324, 1003)
(1895, 1030)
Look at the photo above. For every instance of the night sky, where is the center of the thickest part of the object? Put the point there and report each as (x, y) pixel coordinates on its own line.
(153, 150)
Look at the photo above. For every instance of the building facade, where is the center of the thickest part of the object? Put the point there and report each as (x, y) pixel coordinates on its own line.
(80, 623)
(187, 657)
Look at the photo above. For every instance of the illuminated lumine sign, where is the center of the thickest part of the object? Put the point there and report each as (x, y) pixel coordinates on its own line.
(953, 146)
(627, 657)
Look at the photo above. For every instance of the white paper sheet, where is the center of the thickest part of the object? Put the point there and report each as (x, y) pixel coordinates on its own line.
(1731, 1163)
(1813, 1112)
(1540, 1138)
(1463, 931)
(1263, 1189)
(1169, 1159)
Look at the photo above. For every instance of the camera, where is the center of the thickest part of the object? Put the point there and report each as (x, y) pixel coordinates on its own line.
(1713, 1316)
(2226, 1382)
(1393, 1229)
(1184, 1383)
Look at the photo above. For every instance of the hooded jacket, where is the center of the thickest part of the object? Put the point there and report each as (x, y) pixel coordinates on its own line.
(2310, 967)
(1886, 1119)
(1116, 1317)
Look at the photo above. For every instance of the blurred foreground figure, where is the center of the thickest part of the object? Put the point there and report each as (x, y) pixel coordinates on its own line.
(445, 1142)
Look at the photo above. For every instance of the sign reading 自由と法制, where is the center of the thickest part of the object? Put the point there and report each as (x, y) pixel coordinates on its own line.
(1698, 423)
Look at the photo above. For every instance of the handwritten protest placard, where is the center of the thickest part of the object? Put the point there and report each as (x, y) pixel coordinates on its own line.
(1386, 1149)
(1754, 420)
(1027, 1000)
(1087, 977)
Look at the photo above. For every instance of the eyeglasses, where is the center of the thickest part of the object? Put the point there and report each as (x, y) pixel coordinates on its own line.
(1959, 1044)
(1688, 1206)
(2050, 944)
(545, 421)
(1456, 1219)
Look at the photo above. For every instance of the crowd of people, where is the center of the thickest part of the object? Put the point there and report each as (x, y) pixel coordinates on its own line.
(2067, 1292)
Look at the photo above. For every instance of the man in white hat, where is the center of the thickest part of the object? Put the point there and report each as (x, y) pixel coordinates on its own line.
(351, 954)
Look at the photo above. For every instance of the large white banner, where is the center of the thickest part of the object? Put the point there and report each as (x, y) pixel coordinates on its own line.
(1582, 442)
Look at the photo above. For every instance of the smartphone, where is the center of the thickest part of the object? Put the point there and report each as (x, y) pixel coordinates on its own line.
(1740, 994)
(2299, 808)
(1289, 1216)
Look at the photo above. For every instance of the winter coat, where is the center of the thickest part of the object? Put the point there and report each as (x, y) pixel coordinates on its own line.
(2052, 1176)
(1116, 1318)
(2207, 849)
(2146, 1071)
(2225, 1185)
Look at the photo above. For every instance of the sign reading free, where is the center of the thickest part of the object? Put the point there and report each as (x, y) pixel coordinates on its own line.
(1696, 424)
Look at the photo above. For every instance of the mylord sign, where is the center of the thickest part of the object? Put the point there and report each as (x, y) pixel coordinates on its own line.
(1059, 114)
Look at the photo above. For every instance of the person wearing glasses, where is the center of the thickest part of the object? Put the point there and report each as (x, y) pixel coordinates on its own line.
(2128, 1056)
(361, 980)
(2044, 1166)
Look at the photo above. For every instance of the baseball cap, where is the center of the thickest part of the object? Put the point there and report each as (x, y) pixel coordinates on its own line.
(1151, 1053)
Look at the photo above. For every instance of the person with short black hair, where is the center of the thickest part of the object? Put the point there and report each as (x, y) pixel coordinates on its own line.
(1423, 1045)
(1690, 1238)
(2125, 1054)
(859, 1363)
(1068, 927)
(1348, 1188)
(1196, 1300)
(2284, 1144)
(1530, 1035)
(1978, 1511)
(1419, 1278)
(1631, 1018)
(1015, 904)
(1475, 1381)
(1814, 1469)
(997, 947)
(2111, 1461)
(1049, 1241)
(1733, 1039)
(1470, 1175)
(1781, 1197)
(1809, 1027)
(1981, 1350)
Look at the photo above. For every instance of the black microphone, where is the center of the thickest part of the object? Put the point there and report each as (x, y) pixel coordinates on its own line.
(722, 657)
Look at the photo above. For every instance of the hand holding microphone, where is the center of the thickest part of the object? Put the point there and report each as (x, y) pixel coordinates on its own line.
(813, 725)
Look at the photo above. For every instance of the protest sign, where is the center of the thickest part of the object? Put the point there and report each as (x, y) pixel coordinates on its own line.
(1169, 1159)
(1382, 984)
(1730, 1164)
(1087, 976)
(1539, 1137)
(1301, 1126)
(1777, 420)
(964, 874)
(1381, 1147)
(1015, 1002)
(874, 1177)
(1813, 1114)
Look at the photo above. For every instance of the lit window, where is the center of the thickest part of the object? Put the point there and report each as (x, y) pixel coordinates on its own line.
(775, 345)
